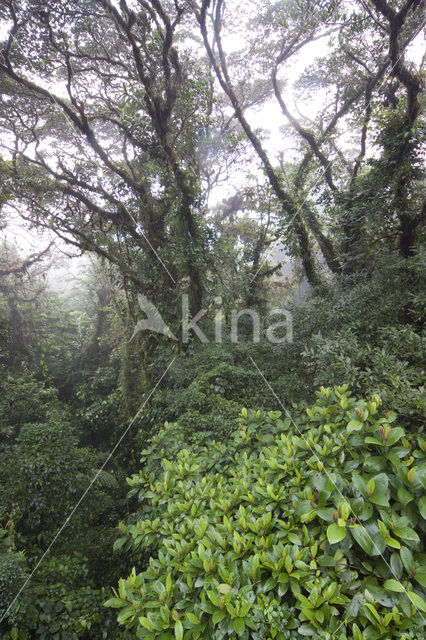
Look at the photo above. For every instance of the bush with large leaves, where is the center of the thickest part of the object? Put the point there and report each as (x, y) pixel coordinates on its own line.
(303, 527)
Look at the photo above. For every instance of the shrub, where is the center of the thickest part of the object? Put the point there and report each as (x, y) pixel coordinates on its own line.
(23, 400)
(43, 475)
(309, 526)
(12, 576)
(391, 365)
(60, 602)
(209, 396)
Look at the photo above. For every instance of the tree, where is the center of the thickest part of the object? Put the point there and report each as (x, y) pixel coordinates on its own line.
(353, 71)
(117, 127)
(100, 111)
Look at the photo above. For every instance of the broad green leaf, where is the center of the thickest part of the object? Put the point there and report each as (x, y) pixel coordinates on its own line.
(146, 623)
(391, 542)
(370, 487)
(304, 600)
(294, 538)
(422, 507)
(326, 513)
(193, 618)
(362, 509)
(178, 630)
(326, 561)
(417, 600)
(407, 559)
(218, 616)
(420, 576)
(379, 499)
(374, 464)
(239, 626)
(396, 565)
(168, 583)
(381, 595)
(395, 434)
(114, 602)
(309, 516)
(356, 632)
(363, 538)
(359, 483)
(118, 544)
(352, 610)
(270, 583)
(306, 629)
(335, 533)
(404, 496)
(373, 610)
(406, 533)
(394, 585)
(213, 597)
(371, 440)
(354, 425)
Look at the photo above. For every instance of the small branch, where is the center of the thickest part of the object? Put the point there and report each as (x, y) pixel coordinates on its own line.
(25, 264)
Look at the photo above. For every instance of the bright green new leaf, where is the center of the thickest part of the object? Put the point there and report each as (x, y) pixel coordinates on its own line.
(239, 626)
(178, 630)
(335, 533)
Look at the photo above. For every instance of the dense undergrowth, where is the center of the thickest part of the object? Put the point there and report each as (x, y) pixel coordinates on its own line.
(268, 575)
(298, 525)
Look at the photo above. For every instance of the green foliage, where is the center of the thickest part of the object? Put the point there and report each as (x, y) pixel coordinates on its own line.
(23, 400)
(210, 399)
(59, 602)
(46, 473)
(98, 419)
(378, 366)
(13, 574)
(283, 529)
(366, 331)
(310, 527)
